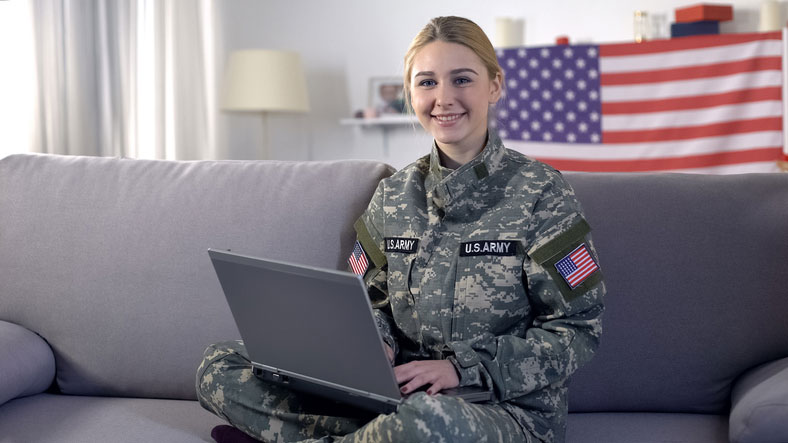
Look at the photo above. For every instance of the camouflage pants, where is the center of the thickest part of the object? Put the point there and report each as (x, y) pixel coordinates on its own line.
(227, 387)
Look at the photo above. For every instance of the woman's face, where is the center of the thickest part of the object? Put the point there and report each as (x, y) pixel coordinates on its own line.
(451, 92)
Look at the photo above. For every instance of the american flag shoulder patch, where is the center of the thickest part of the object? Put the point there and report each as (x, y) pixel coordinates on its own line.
(358, 259)
(576, 266)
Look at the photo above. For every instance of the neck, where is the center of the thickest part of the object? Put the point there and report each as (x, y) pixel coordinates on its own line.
(453, 156)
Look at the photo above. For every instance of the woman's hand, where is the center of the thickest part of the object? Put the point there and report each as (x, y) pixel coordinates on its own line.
(439, 374)
(389, 353)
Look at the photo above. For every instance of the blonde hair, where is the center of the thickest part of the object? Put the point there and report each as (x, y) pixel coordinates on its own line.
(452, 29)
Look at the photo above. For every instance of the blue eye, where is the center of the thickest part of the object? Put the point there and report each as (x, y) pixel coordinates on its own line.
(427, 83)
(462, 81)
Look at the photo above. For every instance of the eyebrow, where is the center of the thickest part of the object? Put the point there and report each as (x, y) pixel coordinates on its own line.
(453, 72)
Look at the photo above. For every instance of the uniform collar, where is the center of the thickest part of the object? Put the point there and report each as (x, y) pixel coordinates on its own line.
(447, 186)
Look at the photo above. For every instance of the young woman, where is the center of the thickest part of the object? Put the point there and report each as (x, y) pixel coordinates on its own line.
(481, 272)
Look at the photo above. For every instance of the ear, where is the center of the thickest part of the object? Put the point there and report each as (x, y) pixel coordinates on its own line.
(496, 88)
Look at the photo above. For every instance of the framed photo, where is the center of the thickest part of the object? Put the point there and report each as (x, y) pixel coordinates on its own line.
(386, 95)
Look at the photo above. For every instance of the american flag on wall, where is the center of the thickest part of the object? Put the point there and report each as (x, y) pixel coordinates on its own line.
(710, 104)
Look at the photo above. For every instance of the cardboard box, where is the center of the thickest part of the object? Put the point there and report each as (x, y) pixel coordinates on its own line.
(704, 12)
(696, 28)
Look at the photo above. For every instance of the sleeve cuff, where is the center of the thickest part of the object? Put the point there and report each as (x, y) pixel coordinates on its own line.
(385, 331)
(466, 361)
(463, 354)
(469, 376)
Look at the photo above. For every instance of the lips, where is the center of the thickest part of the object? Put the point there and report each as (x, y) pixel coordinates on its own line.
(447, 119)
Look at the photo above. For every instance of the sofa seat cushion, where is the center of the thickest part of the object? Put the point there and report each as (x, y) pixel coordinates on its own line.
(644, 427)
(62, 418)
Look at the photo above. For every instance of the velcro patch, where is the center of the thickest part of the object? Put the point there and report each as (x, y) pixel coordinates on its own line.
(358, 260)
(576, 266)
(568, 260)
(400, 244)
(488, 247)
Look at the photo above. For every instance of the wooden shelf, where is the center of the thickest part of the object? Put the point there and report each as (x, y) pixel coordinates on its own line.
(388, 120)
(386, 124)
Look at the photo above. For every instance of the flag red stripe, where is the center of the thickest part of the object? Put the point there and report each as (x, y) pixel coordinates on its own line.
(657, 164)
(580, 257)
(358, 265)
(577, 278)
(684, 43)
(581, 274)
(582, 262)
(690, 132)
(590, 264)
(583, 269)
(696, 102)
(692, 72)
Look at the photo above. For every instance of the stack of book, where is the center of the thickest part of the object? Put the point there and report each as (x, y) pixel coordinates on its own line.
(700, 19)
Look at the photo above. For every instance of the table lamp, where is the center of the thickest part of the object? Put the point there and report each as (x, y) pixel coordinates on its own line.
(261, 80)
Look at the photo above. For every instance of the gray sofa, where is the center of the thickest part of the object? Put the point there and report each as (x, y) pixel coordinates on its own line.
(108, 298)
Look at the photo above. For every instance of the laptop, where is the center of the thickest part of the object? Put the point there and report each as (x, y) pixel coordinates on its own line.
(313, 330)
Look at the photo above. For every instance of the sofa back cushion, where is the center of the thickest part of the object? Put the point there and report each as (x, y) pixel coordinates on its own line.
(695, 267)
(106, 258)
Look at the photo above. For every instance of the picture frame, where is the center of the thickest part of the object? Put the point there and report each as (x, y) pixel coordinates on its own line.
(386, 96)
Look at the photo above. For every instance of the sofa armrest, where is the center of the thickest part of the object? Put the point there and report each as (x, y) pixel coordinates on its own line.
(759, 405)
(27, 364)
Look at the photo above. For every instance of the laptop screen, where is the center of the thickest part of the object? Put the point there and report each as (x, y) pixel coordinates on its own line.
(304, 320)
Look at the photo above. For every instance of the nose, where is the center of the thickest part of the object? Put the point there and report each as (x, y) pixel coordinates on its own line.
(444, 96)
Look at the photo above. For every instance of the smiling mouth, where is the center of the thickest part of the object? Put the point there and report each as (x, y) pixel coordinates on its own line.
(447, 118)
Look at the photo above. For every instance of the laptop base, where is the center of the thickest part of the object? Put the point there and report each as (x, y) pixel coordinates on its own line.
(338, 398)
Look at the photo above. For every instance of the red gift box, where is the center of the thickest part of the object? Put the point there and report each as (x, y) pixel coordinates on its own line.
(704, 12)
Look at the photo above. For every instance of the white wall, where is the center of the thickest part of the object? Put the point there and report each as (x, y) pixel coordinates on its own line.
(345, 42)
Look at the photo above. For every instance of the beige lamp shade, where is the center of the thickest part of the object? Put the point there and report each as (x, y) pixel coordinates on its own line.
(265, 80)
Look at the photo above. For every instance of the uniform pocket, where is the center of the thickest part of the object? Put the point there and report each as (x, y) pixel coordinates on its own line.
(490, 294)
(490, 280)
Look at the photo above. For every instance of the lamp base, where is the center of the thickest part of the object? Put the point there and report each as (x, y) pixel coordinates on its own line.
(265, 153)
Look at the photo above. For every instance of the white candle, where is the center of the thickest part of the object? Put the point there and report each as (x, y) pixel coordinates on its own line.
(771, 19)
(509, 32)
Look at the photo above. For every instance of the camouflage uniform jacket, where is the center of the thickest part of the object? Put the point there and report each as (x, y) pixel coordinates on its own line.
(463, 266)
